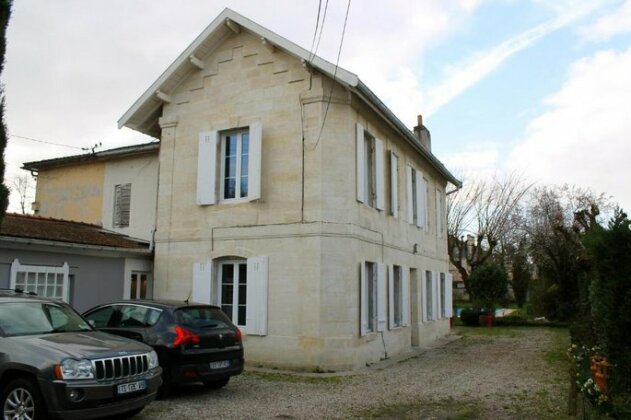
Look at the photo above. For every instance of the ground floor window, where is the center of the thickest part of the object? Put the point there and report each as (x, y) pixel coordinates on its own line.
(47, 281)
(140, 285)
(373, 297)
(397, 296)
(442, 295)
(429, 296)
(233, 283)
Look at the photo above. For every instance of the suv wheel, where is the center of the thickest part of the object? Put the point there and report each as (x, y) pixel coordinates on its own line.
(21, 400)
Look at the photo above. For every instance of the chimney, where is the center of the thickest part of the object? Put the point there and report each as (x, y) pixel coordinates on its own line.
(422, 134)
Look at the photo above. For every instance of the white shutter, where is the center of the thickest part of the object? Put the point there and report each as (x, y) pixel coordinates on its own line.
(379, 175)
(256, 299)
(435, 296)
(420, 205)
(254, 161)
(363, 301)
(202, 283)
(391, 296)
(381, 296)
(405, 307)
(410, 195)
(439, 214)
(449, 310)
(360, 164)
(425, 204)
(424, 295)
(207, 168)
(394, 184)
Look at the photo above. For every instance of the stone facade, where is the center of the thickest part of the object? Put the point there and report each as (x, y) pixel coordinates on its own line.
(307, 222)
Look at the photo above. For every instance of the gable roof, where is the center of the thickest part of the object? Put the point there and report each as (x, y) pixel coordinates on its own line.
(27, 227)
(118, 152)
(144, 113)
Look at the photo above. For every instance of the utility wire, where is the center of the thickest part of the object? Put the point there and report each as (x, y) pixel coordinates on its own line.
(315, 52)
(315, 33)
(337, 62)
(44, 141)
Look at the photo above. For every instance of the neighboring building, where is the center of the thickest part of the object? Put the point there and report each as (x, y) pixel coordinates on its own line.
(79, 263)
(115, 189)
(290, 195)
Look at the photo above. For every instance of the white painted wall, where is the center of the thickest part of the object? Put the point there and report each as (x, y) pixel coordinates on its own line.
(142, 173)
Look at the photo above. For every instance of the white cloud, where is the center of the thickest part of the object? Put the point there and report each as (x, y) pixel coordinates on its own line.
(482, 64)
(615, 23)
(584, 139)
(477, 162)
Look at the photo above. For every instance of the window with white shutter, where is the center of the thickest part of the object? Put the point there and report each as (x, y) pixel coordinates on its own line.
(449, 310)
(394, 184)
(47, 281)
(440, 224)
(395, 296)
(202, 283)
(443, 291)
(122, 205)
(370, 169)
(429, 296)
(229, 165)
(372, 297)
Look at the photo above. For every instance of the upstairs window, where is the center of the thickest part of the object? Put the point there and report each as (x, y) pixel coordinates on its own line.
(229, 165)
(235, 148)
(122, 205)
(370, 169)
(416, 198)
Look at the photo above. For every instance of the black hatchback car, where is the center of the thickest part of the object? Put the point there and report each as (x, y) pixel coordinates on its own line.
(194, 342)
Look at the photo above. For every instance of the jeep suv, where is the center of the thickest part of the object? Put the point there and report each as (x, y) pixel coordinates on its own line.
(53, 363)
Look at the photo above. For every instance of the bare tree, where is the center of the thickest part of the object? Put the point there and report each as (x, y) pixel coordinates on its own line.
(24, 188)
(480, 217)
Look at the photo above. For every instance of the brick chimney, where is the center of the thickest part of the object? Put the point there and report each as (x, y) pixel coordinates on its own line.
(422, 133)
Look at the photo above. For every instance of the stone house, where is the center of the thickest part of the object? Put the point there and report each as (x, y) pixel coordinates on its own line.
(292, 197)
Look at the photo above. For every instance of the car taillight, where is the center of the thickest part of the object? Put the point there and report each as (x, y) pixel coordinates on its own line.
(237, 336)
(184, 336)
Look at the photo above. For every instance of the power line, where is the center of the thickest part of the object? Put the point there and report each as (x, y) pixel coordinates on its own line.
(44, 141)
(337, 62)
(315, 33)
(315, 52)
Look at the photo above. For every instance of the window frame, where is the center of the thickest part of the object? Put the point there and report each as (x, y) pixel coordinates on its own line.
(429, 295)
(223, 135)
(234, 316)
(56, 271)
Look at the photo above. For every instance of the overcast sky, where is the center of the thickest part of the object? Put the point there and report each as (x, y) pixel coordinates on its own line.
(541, 87)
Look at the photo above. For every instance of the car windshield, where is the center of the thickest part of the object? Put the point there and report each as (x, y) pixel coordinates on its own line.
(27, 318)
(203, 317)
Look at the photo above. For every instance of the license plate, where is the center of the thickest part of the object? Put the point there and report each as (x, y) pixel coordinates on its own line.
(220, 365)
(131, 387)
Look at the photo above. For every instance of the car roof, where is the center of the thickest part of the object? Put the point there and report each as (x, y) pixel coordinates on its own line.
(158, 303)
(10, 295)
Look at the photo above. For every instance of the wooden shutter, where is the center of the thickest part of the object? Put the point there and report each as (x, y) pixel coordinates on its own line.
(122, 205)
(394, 184)
(420, 203)
(439, 214)
(405, 285)
(424, 295)
(435, 296)
(379, 175)
(449, 309)
(202, 283)
(410, 194)
(256, 296)
(381, 296)
(363, 300)
(254, 161)
(391, 297)
(361, 164)
(207, 168)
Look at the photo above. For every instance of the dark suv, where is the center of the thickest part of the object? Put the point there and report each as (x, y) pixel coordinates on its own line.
(53, 363)
(194, 342)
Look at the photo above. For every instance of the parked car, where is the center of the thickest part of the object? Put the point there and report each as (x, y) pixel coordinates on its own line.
(194, 342)
(54, 364)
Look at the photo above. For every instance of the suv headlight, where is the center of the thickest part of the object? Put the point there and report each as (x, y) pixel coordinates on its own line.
(153, 360)
(74, 369)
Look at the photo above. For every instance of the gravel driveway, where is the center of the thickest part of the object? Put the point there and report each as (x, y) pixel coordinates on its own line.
(496, 373)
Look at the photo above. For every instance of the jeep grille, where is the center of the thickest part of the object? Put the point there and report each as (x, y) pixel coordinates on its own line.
(120, 367)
